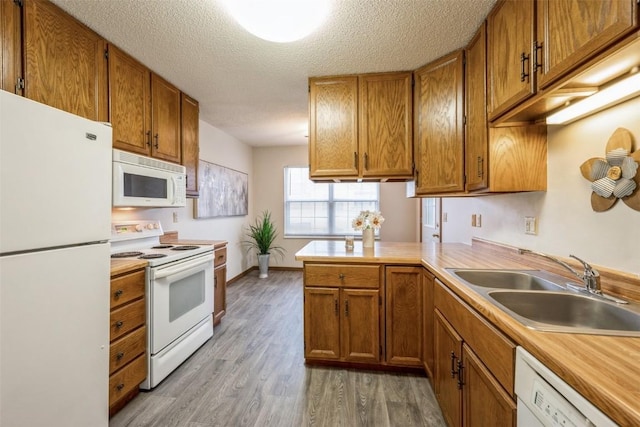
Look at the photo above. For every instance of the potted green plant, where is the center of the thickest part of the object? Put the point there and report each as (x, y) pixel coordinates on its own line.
(262, 235)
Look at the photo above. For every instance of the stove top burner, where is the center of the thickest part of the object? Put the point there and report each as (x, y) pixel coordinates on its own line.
(184, 248)
(152, 256)
(162, 247)
(125, 254)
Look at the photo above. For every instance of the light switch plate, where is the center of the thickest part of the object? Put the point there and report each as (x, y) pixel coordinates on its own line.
(530, 225)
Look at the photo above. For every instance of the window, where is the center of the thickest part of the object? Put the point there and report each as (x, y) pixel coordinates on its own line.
(324, 209)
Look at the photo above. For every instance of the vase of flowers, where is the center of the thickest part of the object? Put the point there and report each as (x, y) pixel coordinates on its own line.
(368, 222)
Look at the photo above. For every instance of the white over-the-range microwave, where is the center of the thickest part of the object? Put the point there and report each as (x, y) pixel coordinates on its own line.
(140, 181)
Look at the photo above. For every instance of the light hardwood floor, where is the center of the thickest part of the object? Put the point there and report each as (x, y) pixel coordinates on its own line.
(252, 373)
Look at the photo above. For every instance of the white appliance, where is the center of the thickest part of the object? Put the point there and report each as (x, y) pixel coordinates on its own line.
(544, 399)
(140, 181)
(55, 210)
(179, 294)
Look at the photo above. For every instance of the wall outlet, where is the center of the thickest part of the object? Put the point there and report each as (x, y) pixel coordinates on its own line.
(444, 217)
(175, 217)
(530, 225)
(479, 221)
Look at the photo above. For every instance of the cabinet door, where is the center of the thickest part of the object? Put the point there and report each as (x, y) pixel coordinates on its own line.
(509, 41)
(476, 144)
(427, 321)
(448, 351)
(190, 142)
(333, 133)
(360, 326)
(485, 401)
(570, 31)
(440, 119)
(385, 134)
(65, 65)
(165, 119)
(219, 294)
(321, 323)
(404, 315)
(129, 102)
(10, 46)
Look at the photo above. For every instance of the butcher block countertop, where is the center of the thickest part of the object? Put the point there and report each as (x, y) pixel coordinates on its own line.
(121, 266)
(604, 369)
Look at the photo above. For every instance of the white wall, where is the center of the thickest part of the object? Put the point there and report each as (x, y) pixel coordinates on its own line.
(222, 149)
(268, 167)
(566, 222)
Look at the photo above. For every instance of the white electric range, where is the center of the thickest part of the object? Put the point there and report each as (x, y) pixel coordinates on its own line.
(179, 294)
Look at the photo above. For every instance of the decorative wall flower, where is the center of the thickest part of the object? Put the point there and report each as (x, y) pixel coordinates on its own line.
(616, 176)
(368, 219)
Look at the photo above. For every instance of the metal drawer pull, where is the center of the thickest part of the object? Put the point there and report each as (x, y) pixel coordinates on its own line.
(346, 308)
(337, 307)
(120, 355)
(453, 364)
(341, 276)
(118, 293)
(523, 73)
(120, 386)
(119, 324)
(460, 381)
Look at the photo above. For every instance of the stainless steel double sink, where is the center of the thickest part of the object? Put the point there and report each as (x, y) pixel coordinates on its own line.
(541, 300)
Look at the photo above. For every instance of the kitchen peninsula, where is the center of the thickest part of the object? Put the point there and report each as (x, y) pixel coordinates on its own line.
(601, 368)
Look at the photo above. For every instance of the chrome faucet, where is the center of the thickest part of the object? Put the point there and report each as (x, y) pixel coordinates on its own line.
(590, 277)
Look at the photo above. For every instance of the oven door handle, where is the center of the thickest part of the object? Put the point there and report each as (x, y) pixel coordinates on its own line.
(183, 266)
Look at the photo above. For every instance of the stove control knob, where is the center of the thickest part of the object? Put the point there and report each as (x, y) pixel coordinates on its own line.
(156, 225)
(150, 226)
(138, 227)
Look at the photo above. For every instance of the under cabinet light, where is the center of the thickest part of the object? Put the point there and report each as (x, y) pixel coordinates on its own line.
(619, 91)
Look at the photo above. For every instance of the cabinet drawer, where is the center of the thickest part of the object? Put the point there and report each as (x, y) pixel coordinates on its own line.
(127, 318)
(352, 276)
(127, 379)
(495, 350)
(220, 257)
(127, 348)
(127, 288)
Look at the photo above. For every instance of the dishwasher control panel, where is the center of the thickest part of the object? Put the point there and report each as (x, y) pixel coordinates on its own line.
(553, 408)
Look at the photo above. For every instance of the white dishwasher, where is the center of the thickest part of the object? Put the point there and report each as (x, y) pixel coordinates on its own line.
(546, 400)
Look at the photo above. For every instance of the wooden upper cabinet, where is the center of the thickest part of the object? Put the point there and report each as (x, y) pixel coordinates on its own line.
(571, 31)
(385, 125)
(333, 127)
(10, 46)
(190, 142)
(361, 126)
(510, 39)
(165, 120)
(476, 146)
(129, 102)
(65, 65)
(439, 128)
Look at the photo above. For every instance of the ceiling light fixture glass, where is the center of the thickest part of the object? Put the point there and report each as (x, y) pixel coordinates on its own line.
(279, 21)
(610, 95)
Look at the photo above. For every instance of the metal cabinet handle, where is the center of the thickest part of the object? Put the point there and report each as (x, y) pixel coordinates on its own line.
(336, 307)
(366, 161)
(119, 324)
(148, 138)
(156, 138)
(120, 355)
(341, 276)
(453, 364)
(436, 235)
(536, 57)
(523, 73)
(117, 294)
(120, 386)
(346, 308)
(215, 282)
(460, 375)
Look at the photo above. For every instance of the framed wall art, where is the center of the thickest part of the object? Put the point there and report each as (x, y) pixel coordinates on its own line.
(223, 192)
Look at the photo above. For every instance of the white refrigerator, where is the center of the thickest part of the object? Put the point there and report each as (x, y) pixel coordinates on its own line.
(55, 213)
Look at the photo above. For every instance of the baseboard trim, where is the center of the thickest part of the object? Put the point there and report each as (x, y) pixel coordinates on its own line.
(255, 267)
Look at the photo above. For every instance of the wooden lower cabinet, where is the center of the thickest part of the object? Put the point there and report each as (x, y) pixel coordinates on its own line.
(342, 313)
(473, 368)
(427, 321)
(219, 284)
(127, 352)
(404, 315)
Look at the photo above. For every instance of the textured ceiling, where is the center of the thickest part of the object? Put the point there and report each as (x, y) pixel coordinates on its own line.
(257, 90)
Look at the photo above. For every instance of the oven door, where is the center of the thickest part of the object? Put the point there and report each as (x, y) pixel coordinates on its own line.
(180, 296)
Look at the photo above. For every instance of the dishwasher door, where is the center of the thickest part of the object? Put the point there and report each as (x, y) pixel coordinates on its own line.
(546, 400)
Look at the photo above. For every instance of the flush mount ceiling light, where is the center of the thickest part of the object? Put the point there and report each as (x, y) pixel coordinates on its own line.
(610, 95)
(279, 21)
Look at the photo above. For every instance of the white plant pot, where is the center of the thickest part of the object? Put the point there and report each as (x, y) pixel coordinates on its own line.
(263, 265)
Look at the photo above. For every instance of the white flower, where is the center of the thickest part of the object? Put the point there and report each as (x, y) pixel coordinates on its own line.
(368, 219)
